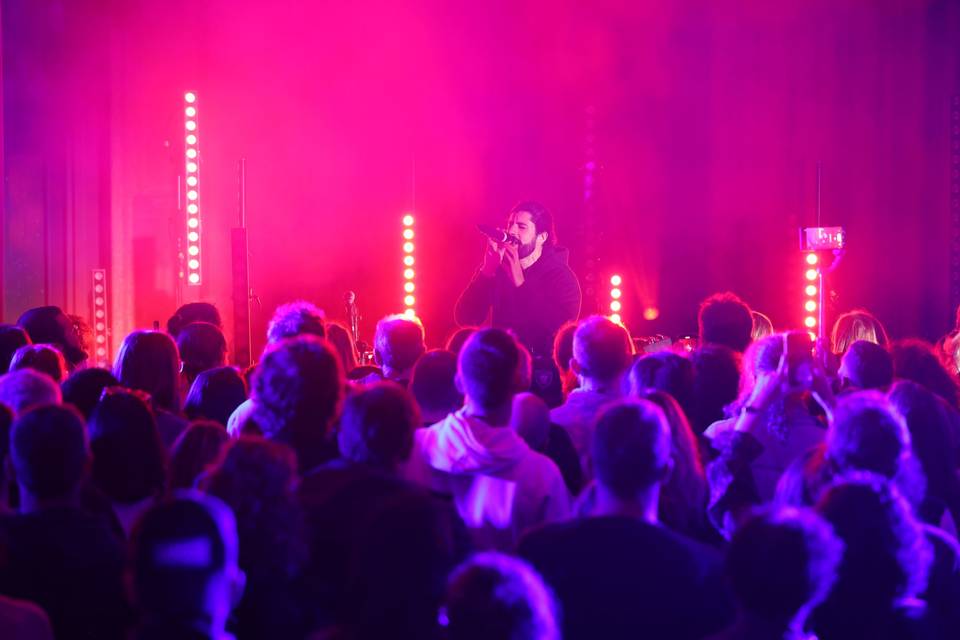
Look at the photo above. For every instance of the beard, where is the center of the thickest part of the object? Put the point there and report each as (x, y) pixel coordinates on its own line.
(524, 250)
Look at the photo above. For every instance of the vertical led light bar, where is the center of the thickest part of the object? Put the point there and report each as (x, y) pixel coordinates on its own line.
(409, 274)
(192, 187)
(615, 294)
(101, 343)
(811, 291)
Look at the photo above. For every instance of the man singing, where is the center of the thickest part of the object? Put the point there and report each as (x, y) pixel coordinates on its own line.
(526, 281)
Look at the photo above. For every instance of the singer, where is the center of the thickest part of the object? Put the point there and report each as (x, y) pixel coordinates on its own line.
(525, 281)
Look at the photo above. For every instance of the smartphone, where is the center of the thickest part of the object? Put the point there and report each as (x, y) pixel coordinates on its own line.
(798, 349)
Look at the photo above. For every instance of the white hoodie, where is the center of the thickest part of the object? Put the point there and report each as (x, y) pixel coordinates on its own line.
(501, 487)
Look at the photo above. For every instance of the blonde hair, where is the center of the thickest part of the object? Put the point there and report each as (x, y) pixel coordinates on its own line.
(858, 324)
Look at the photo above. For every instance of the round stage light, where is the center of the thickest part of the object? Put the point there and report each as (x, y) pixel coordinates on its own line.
(616, 280)
(408, 247)
(193, 250)
(191, 153)
(615, 305)
(651, 313)
(99, 313)
(192, 181)
(408, 274)
(811, 274)
(192, 194)
(409, 300)
(191, 125)
(98, 275)
(193, 223)
(192, 167)
(410, 313)
(191, 139)
(408, 261)
(190, 112)
(409, 287)
(615, 294)
(810, 322)
(101, 339)
(812, 258)
(193, 236)
(190, 97)
(810, 306)
(194, 278)
(811, 290)
(99, 302)
(408, 234)
(408, 220)
(193, 263)
(615, 318)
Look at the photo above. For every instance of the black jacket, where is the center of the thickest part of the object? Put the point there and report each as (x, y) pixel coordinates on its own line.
(548, 297)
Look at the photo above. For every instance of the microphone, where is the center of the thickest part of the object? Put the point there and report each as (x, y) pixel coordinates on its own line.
(497, 235)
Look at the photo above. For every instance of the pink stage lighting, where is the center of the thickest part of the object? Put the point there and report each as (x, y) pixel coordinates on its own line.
(616, 306)
(811, 291)
(409, 275)
(192, 180)
(101, 332)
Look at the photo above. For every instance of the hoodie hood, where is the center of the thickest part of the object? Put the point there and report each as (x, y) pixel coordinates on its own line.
(462, 444)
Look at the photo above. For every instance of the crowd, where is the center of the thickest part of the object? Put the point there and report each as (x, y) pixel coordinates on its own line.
(764, 486)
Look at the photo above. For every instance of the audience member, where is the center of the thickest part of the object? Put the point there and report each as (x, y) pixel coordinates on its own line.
(84, 388)
(716, 384)
(297, 391)
(563, 354)
(202, 347)
(665, 371)
(459, 338)
(781, 565)
(930, 421)
(193, 312)
(858, 324)
(55, 554)
(296, 319)
(44, 358)
(400, 561)
(772, 411)
(377, 425)
(397, 345)
(343, 497)
(6, 477)
(618, 573)
(12, 337)
(129, 460)
(601, 356)
(215, 394)
(762, 326)
(915, 360)
(501, 487)
(184, 572)
(23, 620)
(497, 597)
(288, 321)
(194, 451)
(530, 418)
(866, 365)
(257, 479)
(724, 319)
(339, 336)
(149, 361)
(433, 385)
(683, 495)
(50, 325)
(884, 567)
(22, 390)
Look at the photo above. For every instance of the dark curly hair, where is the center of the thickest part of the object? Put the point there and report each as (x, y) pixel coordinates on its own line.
(297, 391)
(257, 479)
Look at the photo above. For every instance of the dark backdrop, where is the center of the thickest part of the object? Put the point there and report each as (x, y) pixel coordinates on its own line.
(705, 121)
